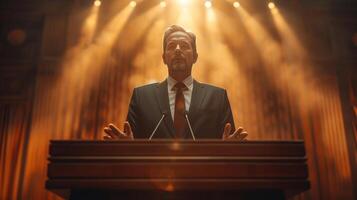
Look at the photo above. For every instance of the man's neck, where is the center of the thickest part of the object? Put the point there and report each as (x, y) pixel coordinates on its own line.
(179, 77)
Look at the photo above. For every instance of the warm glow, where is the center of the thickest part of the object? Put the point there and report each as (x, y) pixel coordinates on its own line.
(175, 146)
(259, 59)
(287, 34)
(208, 4)
(185, 16)
(274, 56)
(97, 2)
(210, 16)
(236, 4)
(78, 62)
(169, 187)
(88, 28)
(271, 5)
(162, 4)
(183, 2)
(133, 4)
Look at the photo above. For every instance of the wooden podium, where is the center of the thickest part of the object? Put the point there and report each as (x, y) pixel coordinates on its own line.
(166, 169)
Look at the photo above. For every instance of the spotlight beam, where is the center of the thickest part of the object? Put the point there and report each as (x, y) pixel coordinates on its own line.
(271, 5)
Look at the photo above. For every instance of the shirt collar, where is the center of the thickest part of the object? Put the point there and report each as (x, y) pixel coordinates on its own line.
(187, 81)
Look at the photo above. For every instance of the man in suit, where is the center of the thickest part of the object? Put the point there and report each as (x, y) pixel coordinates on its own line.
(180, 101)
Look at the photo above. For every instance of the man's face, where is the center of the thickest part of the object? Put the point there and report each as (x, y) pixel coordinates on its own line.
(179, 55)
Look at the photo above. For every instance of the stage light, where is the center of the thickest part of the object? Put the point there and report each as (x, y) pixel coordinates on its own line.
(183, 2)
(208, 4)
(162, 4)
(97, 3)
(236, 4)
(133, 4)
(271, 5)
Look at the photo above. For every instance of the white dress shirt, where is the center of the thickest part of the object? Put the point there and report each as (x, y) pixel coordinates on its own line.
(172, 93)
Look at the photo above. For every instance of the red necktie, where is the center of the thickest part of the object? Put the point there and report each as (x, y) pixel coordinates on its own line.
(179, 116)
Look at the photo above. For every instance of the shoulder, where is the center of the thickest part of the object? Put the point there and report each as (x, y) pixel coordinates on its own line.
(210, 87)
(146, 87)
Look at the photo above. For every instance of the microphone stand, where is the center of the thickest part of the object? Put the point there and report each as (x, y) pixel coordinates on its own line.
(189, 126)
(157, 126)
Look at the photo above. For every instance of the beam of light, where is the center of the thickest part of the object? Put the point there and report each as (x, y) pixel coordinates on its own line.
(287, 33)
(297, 57)
(183, 3)
(185, 16)
(215, 52)
(163, 4)
(82, 67)
(211, 16)
(276, 64)
(271, 5)
(82, 62)
(269, 49)
(217, 59)
(57, 105)
(136, 29)
(236, 4)
(132, 4)
(208, 4)
(88, 28)
(145, 40)
(97, 3)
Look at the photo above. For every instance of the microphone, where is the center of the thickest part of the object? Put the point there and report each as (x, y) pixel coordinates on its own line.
(158, 124)
(189, 126)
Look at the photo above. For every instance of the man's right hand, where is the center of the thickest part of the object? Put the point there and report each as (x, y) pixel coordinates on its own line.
(113, 133)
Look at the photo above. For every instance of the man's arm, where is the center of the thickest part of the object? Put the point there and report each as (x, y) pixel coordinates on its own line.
(226, 114)
(133, 112)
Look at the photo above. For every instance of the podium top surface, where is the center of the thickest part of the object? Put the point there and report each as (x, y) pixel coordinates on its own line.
(176, 148)
(185, 165)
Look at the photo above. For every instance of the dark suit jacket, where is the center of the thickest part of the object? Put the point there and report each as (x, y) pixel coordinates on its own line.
(209, 111)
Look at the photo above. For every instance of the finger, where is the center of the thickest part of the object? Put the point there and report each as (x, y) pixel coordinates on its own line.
(109, 131)
(116, 130)
(234, 135)
(107, 137)
(127, 130)
(240, 130)
(242, 135)
(227, 130)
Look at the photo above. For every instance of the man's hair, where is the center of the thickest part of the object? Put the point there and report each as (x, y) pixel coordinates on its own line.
(176, 28)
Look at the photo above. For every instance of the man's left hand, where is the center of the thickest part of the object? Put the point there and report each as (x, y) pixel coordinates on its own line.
(239, 134)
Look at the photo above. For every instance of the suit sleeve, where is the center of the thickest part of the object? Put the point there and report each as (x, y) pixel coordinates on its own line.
(226, 114)
(133, 113)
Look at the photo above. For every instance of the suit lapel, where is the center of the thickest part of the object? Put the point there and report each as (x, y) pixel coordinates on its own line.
(162, 97)
(198, 94)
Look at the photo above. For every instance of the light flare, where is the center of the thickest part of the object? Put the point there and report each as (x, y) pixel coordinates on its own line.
(236, 4)
(163, 4)
(271, 5)
(97, 3)
(208, 4)
(132, 4)
(183, 2)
